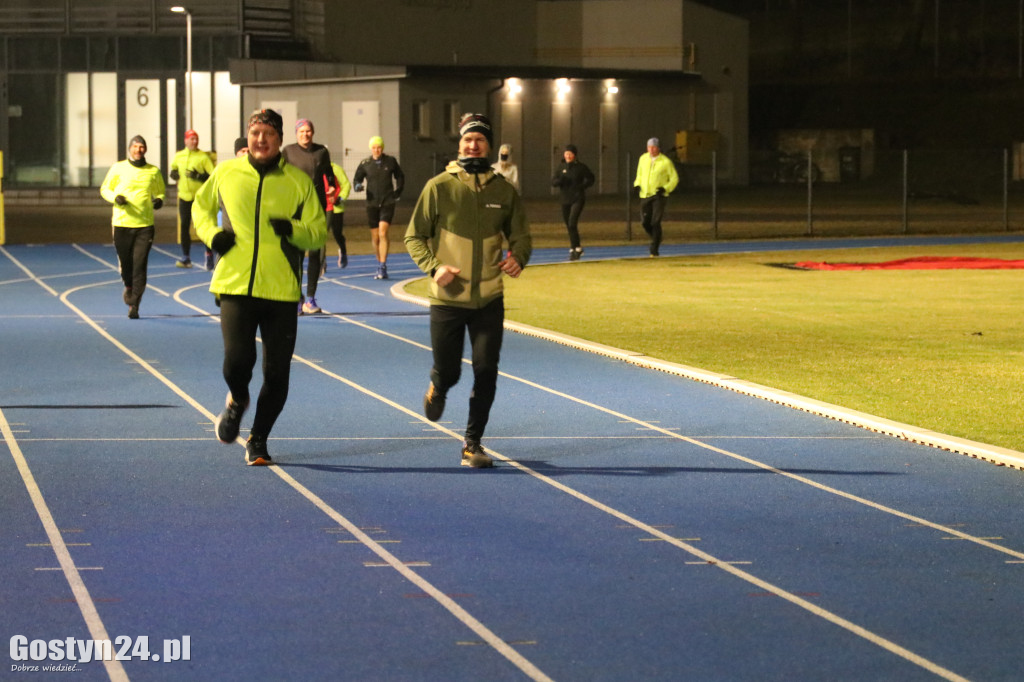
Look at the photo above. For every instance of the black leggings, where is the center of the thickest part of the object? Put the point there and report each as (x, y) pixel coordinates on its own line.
(448, 326)
(276, 321)
(651, 211)
(132, 245)
(184, 228)
(316, 262)
(337, 223)
(571, 215)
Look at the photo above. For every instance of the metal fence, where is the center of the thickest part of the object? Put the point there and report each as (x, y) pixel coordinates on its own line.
(853, 192)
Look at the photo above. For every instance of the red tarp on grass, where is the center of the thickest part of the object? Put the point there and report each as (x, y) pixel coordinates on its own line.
(921, 263)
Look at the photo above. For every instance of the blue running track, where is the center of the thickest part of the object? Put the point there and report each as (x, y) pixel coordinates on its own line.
(639, 525)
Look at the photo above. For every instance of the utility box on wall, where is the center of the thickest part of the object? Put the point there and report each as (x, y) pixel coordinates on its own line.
(696, 146)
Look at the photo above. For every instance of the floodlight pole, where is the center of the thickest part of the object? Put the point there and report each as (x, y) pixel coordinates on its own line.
(714, 194)
(629, 200)
(188, 60)
(810, 192)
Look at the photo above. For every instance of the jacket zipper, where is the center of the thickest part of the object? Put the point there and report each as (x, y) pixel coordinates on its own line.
(256, 236)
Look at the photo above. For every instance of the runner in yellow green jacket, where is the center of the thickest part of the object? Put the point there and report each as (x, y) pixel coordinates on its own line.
(656, 177)
(336, 203)
(190, 168)
(271, 216)
(136, 189)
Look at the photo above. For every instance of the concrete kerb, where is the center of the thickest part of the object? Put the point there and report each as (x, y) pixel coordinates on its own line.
(989, 453)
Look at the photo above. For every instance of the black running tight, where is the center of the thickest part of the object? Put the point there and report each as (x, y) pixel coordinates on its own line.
(571, 216)
(448, 328)
(132, 245)
(240, 319)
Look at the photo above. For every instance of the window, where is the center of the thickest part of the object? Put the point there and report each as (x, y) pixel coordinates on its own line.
(452, 116)
(421, 119)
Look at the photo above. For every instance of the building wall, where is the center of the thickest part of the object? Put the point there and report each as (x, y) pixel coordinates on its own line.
(662, 36)
(323, 104)
(428, 153)
(522, 35)
(724, 64)
(618, 34)
(450, 32)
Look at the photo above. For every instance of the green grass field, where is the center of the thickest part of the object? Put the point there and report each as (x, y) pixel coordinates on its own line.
(939, 349)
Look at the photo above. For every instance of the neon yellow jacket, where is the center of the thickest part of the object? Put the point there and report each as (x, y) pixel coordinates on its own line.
(260, 264)
(187, 160)
(139, 185)
(344, 188)
(652, 176)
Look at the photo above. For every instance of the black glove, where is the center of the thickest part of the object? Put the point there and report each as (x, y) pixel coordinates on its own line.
(174, 174)
(636, 190)
(358, 187)
(120, 200)
(222, 242)
(660, 191)
(202, 177)
(158, 203)
(191, 174)
(282, 227)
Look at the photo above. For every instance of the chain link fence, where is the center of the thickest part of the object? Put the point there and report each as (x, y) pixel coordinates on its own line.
(856, 192)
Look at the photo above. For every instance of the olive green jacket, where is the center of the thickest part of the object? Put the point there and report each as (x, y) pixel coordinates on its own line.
(466, 221)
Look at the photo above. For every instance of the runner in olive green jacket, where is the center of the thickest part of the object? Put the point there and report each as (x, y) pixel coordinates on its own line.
(463, 219)
(457, 235)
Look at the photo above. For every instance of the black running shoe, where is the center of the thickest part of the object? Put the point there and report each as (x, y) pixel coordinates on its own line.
(133, 312)
(256, 451)
(473, 455)
(230, 421)
(433, 403)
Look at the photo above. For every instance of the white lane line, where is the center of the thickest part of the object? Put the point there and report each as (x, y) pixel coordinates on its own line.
(816, 610)
(338, 282)
(499, 645)
(767, 467)
(440, 597)
(669, 433)
(72, 573)
(149, 277)
(729, 567)
(989, 453)
(463, 616)
(380, 438)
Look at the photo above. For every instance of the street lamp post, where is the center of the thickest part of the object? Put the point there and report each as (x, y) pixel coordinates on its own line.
(188, 69)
